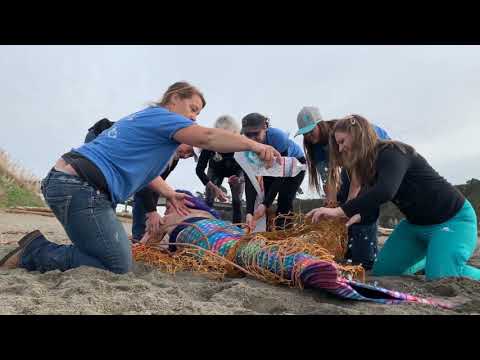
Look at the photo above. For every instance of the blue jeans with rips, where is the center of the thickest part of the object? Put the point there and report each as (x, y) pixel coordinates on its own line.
(98, 238)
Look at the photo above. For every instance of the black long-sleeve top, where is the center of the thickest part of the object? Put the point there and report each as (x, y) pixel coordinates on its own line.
(225, 166)
(369, 217)
(423, 196)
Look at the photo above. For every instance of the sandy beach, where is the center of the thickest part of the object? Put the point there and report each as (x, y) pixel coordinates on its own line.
(148, 291)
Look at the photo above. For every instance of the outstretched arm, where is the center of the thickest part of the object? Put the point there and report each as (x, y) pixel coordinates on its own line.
(224, 141)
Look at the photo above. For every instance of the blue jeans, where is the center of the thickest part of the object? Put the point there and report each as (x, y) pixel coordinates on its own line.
(99, 239)
(362, 244)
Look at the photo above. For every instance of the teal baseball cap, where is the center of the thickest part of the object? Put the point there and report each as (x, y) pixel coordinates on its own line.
(307, 119)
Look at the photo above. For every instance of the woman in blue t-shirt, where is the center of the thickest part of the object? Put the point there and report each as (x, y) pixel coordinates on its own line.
(256, 127)
(362, 237)
(132, 154)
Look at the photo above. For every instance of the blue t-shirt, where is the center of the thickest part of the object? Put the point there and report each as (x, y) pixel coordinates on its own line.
(135, 150)
(280, 141)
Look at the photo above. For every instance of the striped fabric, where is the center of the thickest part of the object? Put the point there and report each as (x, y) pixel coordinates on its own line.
(220, 236)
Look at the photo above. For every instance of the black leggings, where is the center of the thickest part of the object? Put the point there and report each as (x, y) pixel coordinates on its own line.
(286, 188)
(237, 192)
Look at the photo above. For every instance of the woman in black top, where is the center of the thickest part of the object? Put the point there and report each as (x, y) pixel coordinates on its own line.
(220, 166)
(439, 233)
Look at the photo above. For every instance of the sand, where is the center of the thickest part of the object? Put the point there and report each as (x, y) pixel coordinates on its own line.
(148, 291)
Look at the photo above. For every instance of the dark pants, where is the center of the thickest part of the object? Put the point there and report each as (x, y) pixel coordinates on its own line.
(139, 219)
(287, 190)
(362, 244)
(236, 189)
(98, 238)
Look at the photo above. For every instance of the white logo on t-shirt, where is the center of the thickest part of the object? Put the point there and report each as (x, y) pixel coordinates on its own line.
(112, 132)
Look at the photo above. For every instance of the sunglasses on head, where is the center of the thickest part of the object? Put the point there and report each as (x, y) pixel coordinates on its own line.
(352, 118)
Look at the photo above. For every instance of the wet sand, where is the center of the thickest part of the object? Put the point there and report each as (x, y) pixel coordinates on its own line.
(148, 291)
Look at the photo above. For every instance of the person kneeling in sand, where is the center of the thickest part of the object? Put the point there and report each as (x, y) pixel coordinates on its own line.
(84, 183)
(439, 233)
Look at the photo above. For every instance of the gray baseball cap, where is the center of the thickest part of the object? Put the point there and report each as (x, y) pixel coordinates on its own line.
(307, 119)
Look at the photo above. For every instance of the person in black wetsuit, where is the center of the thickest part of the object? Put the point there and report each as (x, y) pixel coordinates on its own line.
(257, 127)
(220, 166)
(439, 233)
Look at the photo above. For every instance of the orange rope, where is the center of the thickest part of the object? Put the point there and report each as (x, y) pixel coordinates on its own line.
(326, 240)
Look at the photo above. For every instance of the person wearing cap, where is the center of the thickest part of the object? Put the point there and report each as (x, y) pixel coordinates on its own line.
(362, 237)
(84, 183)
(439, 232)
(220, 166)
(256, 127)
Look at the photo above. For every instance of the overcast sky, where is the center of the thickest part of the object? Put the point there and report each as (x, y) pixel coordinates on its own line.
(427, 96)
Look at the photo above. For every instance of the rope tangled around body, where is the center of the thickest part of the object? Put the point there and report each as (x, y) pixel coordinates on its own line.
(251, 253)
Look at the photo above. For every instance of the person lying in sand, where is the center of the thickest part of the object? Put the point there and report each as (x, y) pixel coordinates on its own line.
(203, 229)
(174, 222)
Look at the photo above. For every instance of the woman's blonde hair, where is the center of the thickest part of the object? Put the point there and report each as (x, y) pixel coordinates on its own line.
(183, 89)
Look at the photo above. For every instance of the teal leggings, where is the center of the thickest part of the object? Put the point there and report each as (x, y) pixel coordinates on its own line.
(442, 250)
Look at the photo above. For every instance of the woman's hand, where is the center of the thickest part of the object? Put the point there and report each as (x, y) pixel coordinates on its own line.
(219, 194)
(179, 202)
(267, 153)
(154, 220)
(324, 212)
(251, 222)
(259, 212)
(354, 219)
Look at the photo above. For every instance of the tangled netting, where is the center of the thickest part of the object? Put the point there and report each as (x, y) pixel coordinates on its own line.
(304, 255)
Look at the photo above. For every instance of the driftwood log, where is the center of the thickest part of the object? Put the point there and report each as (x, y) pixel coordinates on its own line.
(42, 211)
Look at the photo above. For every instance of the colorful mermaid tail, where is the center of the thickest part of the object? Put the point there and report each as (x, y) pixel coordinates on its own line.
(298, 269)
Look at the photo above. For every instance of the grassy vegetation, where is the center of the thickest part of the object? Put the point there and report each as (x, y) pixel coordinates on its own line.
(17, 186)
(12, 194)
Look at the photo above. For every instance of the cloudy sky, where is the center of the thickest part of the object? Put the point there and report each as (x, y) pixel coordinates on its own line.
(427, 96)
